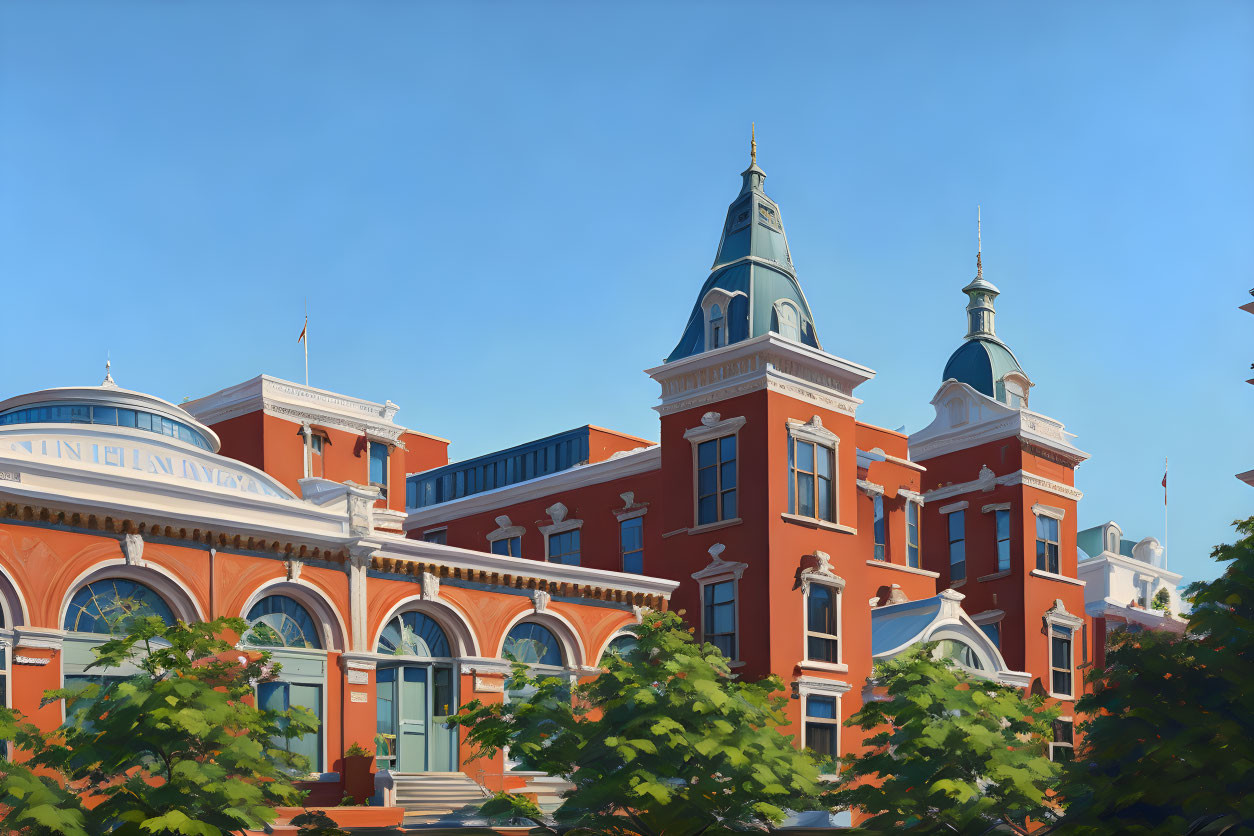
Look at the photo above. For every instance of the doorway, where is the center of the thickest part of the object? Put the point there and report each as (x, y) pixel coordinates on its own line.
(413, 704)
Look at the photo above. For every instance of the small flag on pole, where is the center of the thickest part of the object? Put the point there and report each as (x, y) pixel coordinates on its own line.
(301, 338)
(1164, 481)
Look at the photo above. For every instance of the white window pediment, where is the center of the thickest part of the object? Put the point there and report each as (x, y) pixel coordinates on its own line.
(505, 529)
(718, 569)
(713, 425)
(557, 513)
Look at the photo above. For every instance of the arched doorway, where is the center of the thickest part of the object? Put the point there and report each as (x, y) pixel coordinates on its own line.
(415, 693)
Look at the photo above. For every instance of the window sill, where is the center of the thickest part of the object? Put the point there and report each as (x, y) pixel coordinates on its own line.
(714, 526)
(1040, 573)
(884, 564)
(1067, 697)
(832, 667)
(811, 522)
(1004, 573)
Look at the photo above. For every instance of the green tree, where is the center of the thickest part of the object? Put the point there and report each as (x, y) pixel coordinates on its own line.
(665, 740)
(1162, 600)
(949, 753)
(178, 748)
(1169, 740)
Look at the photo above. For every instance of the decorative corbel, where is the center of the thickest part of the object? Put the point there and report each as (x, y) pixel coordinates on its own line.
(430, 587)
(133, 549)
(540, 600)
(293, 568)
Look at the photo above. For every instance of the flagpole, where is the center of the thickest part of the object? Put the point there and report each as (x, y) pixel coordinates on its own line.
(306, 342)
(1165, 514)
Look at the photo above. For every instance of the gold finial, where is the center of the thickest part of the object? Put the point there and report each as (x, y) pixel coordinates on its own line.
(753, 143)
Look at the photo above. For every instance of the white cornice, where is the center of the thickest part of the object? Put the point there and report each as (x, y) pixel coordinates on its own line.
(1019, 477)
(984, 419)
(615, 467)
(300, 404)
(1099, 563)
(766, 362)
(403, 548)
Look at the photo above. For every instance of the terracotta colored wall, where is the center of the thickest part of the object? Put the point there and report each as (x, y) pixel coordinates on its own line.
(603, 443)
(422, 452)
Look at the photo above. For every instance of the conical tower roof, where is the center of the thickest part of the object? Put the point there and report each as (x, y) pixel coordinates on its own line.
(752, 281)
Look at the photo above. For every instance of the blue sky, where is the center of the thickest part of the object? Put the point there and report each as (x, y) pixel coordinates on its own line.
(501, 213)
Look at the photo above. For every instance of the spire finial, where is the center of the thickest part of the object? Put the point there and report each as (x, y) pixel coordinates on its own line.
(108, 378)
(979, 243)
(753, 143)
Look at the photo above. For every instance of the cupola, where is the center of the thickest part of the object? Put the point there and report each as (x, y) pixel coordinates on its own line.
(752, 288)
(983, 361)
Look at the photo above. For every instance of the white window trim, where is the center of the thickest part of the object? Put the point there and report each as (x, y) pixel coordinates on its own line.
(717, 571)
(1052, 745)
(917, 499)
(995, 506)
(1057, 616)
(1049, 511)
(505, 530)
(778, 306)
(813, 431)
(435, 530)
(713, 426)
(560, 525)
(632, 509)
(722, 298)
(813, 686)
(954, 506)
(821, 573)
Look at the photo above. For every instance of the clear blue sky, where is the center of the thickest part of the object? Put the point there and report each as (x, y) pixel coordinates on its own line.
(501, 213)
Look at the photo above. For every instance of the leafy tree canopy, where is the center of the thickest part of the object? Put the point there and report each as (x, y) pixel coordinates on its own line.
(1169, 741)
(664, 741)
(177, 748)
(949, 753)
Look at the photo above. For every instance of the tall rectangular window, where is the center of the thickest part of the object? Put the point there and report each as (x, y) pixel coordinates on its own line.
(631, 542)
(878, 502)
(1063, 747)
(957, 546)
(1003, 540)
(1046, 544)
(912, 534)
(822, 728)
(719, 624)
(509, 546)
(1060, 660)
(282, 696)
(379, 466)
(564, 547)
(716, 480)
(823, 623)
(810, 468)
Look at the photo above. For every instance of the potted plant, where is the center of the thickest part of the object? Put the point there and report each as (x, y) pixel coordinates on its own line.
(359, 772)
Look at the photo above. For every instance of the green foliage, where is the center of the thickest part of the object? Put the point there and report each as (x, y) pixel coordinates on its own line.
(1170, 739)
(175, 749)
(357, 750)
(1162, 600)
(317, 823)
(664, 740)
(949, 753)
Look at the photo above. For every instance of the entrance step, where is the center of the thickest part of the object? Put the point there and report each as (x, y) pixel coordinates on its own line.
(548, 791)
(436, 793)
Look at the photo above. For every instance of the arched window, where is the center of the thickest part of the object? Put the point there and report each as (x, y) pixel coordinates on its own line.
(788, 321)
(718, 328)
(280, 621)
(623, 645)
(104, 606)
(1016, 393)
(534, 644)
(960, 652)
(1112, 540)
(414, 634)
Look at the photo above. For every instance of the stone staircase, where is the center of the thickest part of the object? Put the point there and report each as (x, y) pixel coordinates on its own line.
(548, 791)
(436, 794)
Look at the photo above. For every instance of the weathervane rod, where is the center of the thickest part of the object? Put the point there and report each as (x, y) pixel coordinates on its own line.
(753, 142)
(979, 230)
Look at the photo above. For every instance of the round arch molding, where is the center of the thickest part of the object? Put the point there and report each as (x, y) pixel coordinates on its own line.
(182, 601)
(572, 642)
(452, 621)
(332, 630)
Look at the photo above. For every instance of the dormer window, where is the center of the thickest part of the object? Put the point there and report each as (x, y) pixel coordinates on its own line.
(1016, 392)
(718, 327)
(787, 321)
(1112, 540)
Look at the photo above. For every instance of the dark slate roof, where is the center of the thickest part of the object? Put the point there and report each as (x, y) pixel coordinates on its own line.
(982, 363)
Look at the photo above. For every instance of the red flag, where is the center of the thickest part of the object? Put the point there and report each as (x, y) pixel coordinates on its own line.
(301, 338)
(1164, 485)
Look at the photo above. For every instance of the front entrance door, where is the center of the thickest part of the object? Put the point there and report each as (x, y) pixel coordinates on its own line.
(414, 702)
(412, 714)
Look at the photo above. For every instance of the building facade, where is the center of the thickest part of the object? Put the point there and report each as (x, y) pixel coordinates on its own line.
(393, 585)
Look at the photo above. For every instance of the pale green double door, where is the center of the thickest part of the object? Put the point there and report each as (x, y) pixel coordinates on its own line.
(413, 704)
